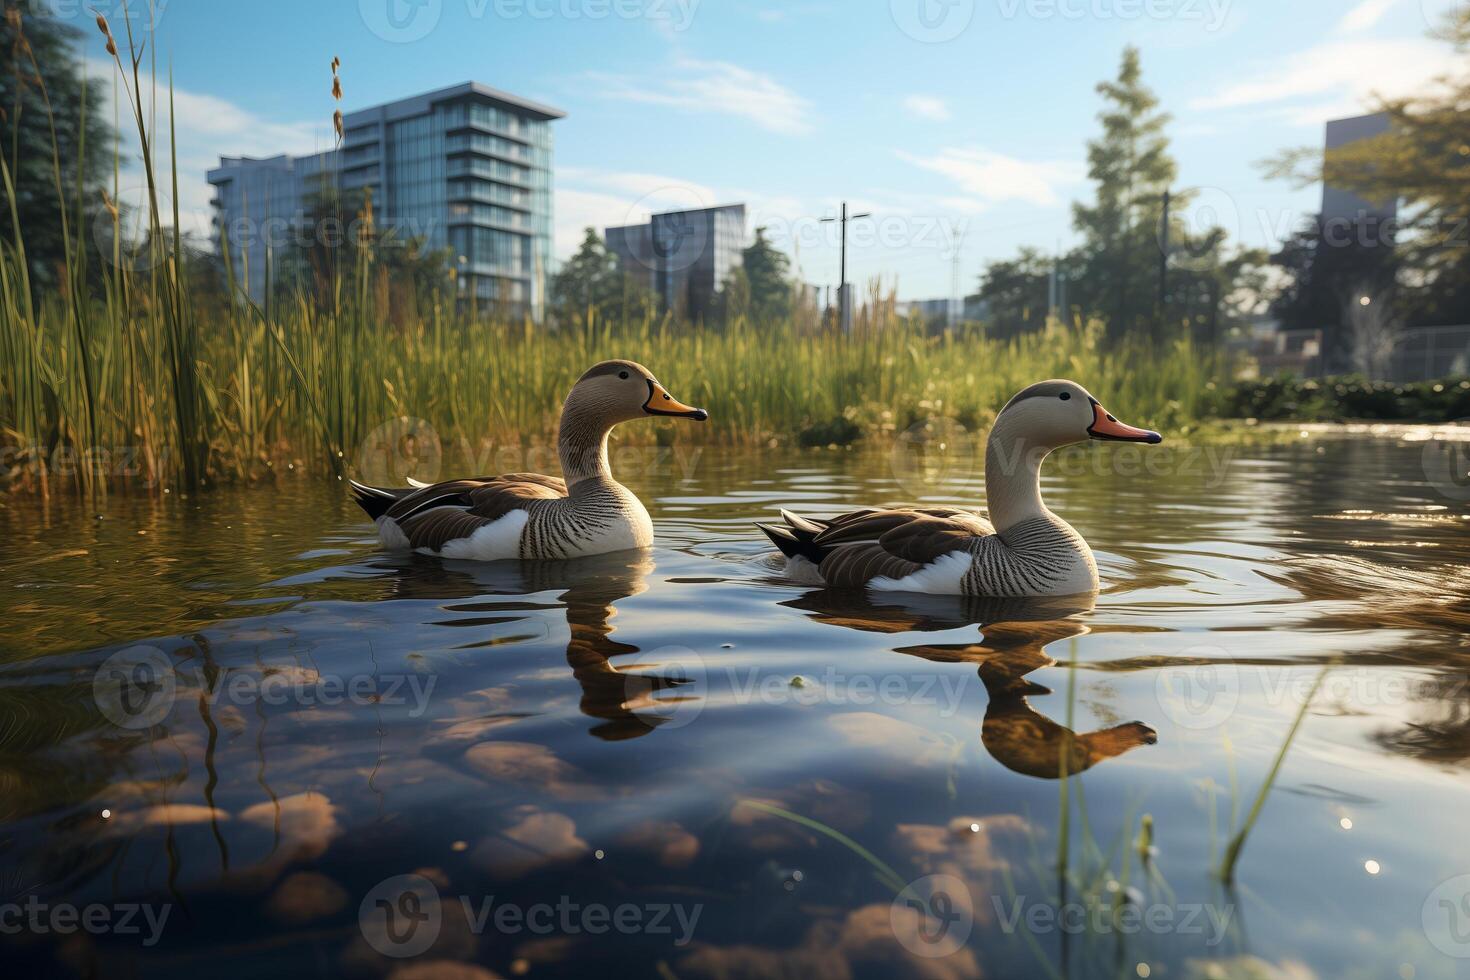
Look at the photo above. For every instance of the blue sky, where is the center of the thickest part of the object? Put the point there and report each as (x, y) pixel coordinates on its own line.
(958, 123)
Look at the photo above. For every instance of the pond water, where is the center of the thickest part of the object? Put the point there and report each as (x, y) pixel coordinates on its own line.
(231, 726)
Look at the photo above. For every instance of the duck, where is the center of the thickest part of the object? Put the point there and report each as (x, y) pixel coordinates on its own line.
(1022, 549)
(529, 516)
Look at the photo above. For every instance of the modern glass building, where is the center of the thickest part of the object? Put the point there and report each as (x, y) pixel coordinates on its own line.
(260, 205)
(684, 256)
(467, 167)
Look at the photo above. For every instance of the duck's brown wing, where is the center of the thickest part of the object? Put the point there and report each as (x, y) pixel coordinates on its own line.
(442, 512)
(852, 549)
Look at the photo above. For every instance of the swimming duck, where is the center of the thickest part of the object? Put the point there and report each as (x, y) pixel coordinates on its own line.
(1022, 550)
(527, 515)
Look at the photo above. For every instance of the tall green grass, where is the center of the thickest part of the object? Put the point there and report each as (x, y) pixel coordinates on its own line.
(144, 383)
(233, 396)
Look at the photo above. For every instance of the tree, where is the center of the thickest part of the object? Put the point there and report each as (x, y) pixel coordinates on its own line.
(1018, 292)
(1127, 271)
(55, 142)
(337, 233)
(768, 276)
(1210, 289)
(734, 298)
(1326, 264)
(340, 247)
(1132, 168)
(594, 282)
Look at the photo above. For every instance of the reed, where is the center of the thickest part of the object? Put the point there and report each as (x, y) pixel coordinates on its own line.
(236, 395)
(1237, 843)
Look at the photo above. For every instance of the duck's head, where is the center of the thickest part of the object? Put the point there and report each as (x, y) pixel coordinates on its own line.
(620, 391)
(1058, 413)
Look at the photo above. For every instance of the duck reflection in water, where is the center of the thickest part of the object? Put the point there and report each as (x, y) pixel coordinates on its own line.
(1014, 636)
(620, 698)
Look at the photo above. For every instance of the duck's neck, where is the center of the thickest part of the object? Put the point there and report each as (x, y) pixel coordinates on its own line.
(581, 444)
(1013, 477)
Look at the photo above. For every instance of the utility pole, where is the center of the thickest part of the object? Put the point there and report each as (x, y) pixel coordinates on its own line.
(1164, 257)
(1054, 286)
(843, 302)
(956, 301)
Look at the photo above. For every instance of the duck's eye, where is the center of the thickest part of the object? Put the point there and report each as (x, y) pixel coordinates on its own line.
(623, 375)
(1065, 395)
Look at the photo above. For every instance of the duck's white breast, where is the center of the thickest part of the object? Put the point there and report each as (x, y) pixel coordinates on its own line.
(631, 529)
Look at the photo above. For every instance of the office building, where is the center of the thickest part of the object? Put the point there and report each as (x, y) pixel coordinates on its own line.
(466, 167)
(684, 256)
(1343, 206)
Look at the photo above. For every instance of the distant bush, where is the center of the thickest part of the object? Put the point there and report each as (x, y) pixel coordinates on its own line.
(840, 431)
(1346, 398)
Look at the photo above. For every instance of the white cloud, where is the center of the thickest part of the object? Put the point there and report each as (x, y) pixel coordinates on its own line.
(714, 86)
(1335, 78)
(1365, 16)
(988, 177)
(927, 107)
(577, 210)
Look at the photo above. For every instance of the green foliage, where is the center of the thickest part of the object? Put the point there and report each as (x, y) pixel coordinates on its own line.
(1348, 397)
(839, 431)
(593, 285)
(767, 272)
(52, 137)
(407, 277)
(1328, 265)
(1018, 293)
(305, 385)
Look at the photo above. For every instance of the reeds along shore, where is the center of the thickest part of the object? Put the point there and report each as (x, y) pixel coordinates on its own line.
(106, 385)
(131, 373)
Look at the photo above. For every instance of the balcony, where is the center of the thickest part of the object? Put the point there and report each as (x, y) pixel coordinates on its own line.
(496, 271)
(453, 151)
(471, 125)
(478, 191)
(474, 166)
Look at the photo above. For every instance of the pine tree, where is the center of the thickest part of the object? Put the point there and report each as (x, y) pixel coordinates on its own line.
(768, 277)
(1132, 168)
(594, 282)
(42, 83)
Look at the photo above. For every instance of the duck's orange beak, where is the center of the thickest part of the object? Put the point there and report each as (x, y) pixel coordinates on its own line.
(1104, 426)
(660, 402)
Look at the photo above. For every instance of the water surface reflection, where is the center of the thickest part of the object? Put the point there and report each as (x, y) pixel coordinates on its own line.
(678, 730)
